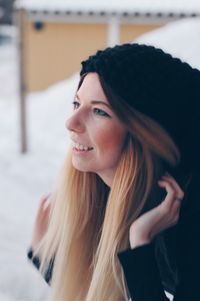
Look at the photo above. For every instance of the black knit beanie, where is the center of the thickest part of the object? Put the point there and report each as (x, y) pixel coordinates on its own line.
(160, 86)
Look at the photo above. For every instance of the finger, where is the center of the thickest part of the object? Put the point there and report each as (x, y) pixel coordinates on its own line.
(176, 207)
(168, 187)
(171, 192)
(170, 207)
(180, 192)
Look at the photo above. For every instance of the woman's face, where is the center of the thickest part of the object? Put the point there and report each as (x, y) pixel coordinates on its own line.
(97, 134)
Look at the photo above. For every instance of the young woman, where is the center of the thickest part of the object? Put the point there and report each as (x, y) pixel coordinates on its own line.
(124, 222)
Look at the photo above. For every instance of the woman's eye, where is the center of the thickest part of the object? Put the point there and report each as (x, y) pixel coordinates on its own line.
(75, 104)
(101, 112)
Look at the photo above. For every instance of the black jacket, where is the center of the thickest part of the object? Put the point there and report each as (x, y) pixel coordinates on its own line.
(172, 261)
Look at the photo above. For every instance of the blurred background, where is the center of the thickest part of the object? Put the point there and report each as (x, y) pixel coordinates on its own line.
(41, 46)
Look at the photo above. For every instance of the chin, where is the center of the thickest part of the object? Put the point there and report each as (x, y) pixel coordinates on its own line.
(80, 167)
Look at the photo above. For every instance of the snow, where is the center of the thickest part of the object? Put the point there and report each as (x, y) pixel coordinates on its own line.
(180, 38)
(143, 6)
(24, 178)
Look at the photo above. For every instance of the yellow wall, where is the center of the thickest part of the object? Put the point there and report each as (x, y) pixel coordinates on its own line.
(128, 32)
(55, 52)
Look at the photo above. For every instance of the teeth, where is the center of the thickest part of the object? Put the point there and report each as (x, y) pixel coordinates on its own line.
(82, 147)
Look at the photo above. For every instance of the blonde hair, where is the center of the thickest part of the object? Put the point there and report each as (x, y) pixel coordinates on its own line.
(89, 223)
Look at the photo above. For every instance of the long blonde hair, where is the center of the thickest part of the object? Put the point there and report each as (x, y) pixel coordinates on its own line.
(89, 222)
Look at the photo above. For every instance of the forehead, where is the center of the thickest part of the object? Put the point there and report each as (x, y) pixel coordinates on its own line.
(91, 88)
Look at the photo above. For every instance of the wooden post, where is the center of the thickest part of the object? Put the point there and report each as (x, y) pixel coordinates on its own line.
(22, 82)
(113, 31)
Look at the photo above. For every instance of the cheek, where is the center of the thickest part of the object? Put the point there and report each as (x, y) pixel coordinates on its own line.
(110, 142)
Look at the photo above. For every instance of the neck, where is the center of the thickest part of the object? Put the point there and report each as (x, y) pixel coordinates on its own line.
(108, 180)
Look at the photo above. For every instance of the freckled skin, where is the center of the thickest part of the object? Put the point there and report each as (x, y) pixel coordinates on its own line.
(105, 134)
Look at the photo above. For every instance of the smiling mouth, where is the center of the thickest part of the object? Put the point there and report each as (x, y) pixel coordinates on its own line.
(81, 147)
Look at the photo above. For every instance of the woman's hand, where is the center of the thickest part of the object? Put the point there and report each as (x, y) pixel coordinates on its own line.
(41, 221)
(148, 225)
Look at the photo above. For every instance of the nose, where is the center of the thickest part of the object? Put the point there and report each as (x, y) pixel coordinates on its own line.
(75, 123)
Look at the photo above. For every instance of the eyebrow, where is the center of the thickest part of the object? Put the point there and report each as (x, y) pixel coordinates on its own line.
(96, 102)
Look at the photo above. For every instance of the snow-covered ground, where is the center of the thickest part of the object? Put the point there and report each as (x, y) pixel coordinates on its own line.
(24, 178)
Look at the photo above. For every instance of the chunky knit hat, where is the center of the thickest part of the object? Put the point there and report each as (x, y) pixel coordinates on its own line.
(158, 85)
